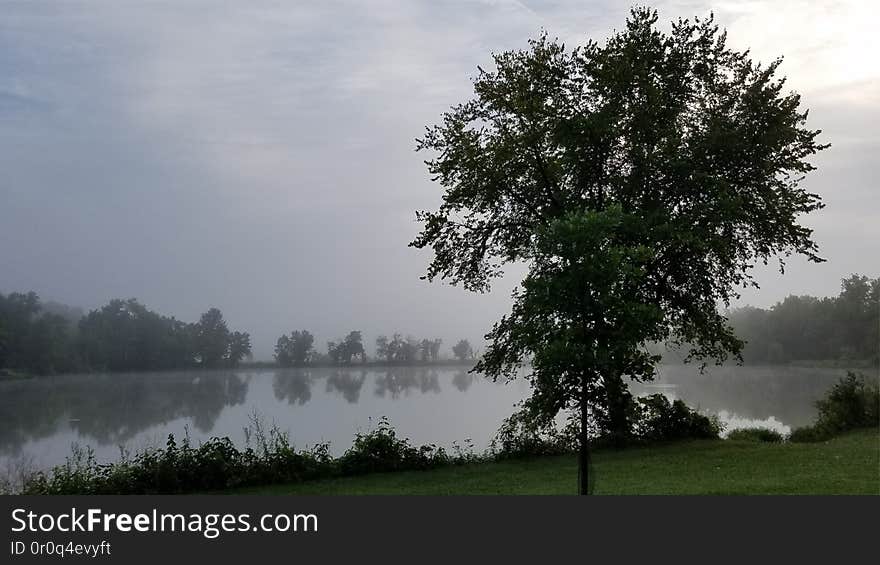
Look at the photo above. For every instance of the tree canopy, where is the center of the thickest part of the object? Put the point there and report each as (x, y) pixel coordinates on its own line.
(463, 350)
(344, 350)
(639, 180)
(296, 349)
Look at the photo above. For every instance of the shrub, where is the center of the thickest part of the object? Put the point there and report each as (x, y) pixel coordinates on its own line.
(659, 420)
(755, 434)
(649, 419)
(808, 434)
(522, 435)
(214, 465)
(381, 450)
(850, 404)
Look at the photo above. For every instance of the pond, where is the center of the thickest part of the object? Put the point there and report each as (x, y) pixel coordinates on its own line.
(42, 418)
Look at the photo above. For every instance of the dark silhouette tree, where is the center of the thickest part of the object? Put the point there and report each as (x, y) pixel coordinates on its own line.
(640, 181)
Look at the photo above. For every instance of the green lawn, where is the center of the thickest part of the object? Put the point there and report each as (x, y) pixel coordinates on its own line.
(849, 464)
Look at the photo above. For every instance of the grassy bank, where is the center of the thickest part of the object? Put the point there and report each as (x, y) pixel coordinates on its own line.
(849, 464)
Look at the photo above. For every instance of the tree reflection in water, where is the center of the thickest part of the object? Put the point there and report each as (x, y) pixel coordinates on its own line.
(403, 380)
(345, 382)
(294, 386)
(120, 408)
(112, 409)
(462, 380)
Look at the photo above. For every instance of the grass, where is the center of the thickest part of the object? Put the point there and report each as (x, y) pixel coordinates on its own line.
(849, 464)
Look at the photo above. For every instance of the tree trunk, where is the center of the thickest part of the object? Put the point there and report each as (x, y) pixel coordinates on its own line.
(584, 452)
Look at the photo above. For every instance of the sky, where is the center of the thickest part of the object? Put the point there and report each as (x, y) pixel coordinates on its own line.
(259, 156)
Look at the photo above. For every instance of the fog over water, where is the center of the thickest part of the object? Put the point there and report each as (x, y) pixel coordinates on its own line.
(444, 405)
(258, 157)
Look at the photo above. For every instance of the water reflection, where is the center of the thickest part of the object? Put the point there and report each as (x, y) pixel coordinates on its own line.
(111, 409)
(347, 383)
(41, 417)
(294, 386)
(787, 394)
(399, 381)
(462, 380)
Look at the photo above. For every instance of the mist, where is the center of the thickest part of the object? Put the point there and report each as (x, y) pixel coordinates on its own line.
(259, 158)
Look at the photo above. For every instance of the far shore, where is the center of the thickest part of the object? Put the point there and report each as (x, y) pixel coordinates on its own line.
(13, 374)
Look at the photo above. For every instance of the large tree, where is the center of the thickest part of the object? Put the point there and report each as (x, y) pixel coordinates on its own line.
(345, 349)
(212, 338)
(239, 348)
(640, 181)
(296, 349)
(34, 338)
(463, 350)
(125, 335)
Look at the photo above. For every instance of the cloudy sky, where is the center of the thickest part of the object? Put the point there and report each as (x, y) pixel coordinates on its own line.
(258, 156)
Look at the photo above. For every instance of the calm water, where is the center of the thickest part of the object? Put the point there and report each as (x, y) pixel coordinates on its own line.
(41, 418)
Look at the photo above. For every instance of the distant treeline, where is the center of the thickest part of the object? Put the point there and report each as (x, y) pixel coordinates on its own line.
(45, 338)
(297, 349)
(122, 336)
(806, 328)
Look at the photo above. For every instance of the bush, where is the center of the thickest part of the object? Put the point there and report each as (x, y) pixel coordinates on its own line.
(852, 403)
(659, 420)
(755, 434)
(381, 450)
(808, 434)
(214, 465)
(650, 419)
(522, 436)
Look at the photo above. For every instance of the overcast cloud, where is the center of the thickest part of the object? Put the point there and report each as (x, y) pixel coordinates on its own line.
(258, 156)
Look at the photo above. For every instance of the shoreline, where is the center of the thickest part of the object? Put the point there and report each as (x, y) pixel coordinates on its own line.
(15, 375)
